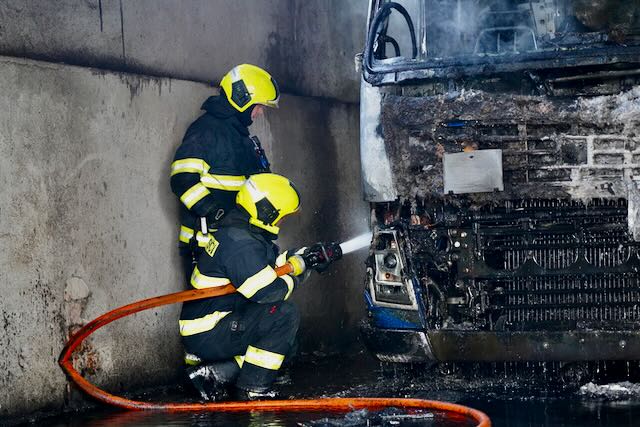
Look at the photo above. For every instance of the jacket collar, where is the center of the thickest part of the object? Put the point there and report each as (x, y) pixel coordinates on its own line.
(219, 107)
(239, 219)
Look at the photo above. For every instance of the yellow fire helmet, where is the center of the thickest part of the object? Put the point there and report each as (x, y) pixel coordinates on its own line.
(268, 198)
(246, 85)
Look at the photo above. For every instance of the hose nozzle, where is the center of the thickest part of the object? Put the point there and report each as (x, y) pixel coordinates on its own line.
(320, 255)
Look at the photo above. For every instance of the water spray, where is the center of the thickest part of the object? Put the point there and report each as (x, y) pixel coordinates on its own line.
(320, 255)
(356, 243)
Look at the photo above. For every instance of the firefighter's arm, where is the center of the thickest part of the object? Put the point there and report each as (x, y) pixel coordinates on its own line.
(187, 168)
(255, 278)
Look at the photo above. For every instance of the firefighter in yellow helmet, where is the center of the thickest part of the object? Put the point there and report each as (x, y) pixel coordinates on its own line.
(238, 342)
(217, 154)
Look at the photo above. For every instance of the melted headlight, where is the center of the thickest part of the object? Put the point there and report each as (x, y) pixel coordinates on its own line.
(388, 281)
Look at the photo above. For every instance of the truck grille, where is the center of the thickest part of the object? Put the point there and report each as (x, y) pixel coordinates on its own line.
(555, 260)
(561, 298)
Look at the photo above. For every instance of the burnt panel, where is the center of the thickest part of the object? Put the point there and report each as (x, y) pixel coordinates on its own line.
(552, 147)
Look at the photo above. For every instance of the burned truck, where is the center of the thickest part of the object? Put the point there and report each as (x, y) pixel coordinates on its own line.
(500, 148)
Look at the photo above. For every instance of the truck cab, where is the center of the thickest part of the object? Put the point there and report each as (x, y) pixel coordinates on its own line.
(500, 150)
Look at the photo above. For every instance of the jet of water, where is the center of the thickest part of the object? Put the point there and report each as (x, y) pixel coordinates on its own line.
(356, 243)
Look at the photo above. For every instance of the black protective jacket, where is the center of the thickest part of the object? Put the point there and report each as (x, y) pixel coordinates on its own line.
(212, 163)
(244, 255)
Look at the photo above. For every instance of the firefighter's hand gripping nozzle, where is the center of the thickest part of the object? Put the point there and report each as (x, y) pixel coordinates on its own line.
(317, 257)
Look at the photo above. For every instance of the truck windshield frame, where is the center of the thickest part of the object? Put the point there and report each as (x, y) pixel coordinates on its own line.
(528, 47)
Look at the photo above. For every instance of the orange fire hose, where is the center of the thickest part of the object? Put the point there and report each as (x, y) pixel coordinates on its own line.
(322, 404)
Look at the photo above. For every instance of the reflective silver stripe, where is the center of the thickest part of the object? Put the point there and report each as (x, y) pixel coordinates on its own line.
(203, 239)
(202, 324)
(191, 359)
(235, 74)
(254, 191)
(282, 259)
(223, 182)
(260, 280)
(189, 165)
(290, 284)
(200, 281)
(194, 195)
(186, 234)
(263, 358)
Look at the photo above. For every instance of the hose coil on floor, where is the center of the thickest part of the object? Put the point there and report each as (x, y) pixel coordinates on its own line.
(322, 404)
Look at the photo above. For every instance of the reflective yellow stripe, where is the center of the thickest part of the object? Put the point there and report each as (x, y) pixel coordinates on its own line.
(263, 358)
(202, 324)
(190, 165)
(200, 281)
(290, 284)
(203, 239)
(261, 279)
(186, 234)
(194, 195)
(191, 359)
(239, 360)
(223, 182)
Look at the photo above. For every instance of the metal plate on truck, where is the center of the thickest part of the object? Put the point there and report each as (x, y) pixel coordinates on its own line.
(477, 171)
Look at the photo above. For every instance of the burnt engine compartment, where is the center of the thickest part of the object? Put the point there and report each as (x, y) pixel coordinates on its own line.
(527, 265)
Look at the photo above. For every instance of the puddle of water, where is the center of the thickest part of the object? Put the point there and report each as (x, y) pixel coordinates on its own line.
(508, 401)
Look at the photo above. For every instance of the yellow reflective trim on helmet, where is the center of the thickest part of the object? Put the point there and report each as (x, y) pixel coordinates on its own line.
(290, 284)
(201, 281)
(186, 234)
(189, 165)
(202, 324)
(223, 182)
(260, 280)
(263, 358)
(194, 195)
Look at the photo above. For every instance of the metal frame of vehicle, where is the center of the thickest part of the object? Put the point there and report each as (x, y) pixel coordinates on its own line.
(544, 266)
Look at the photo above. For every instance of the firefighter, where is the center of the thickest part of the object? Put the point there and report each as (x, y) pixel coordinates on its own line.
(240, 340)
(217, 154)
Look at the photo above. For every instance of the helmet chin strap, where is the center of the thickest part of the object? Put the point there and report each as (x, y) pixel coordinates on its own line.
(273, 229)
(245, 116)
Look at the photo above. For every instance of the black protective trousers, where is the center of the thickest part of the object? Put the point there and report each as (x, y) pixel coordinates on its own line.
(270, 327)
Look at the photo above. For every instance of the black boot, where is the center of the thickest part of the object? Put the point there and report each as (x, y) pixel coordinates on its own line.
(255, 393)
(211, 380)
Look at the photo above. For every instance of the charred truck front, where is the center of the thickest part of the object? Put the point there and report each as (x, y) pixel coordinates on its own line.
(500, 146)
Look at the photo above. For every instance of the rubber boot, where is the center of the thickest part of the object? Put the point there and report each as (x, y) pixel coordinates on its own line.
(212, 380)
(256, 393)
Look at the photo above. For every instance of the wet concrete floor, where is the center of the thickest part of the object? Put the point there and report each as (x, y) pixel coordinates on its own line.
(509, 398)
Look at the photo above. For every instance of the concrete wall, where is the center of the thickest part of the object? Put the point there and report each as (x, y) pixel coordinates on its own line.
(307, 45)
(88, 222)
(315, 143)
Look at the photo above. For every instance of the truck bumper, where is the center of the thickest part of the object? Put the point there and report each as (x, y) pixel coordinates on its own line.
(406, 346)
